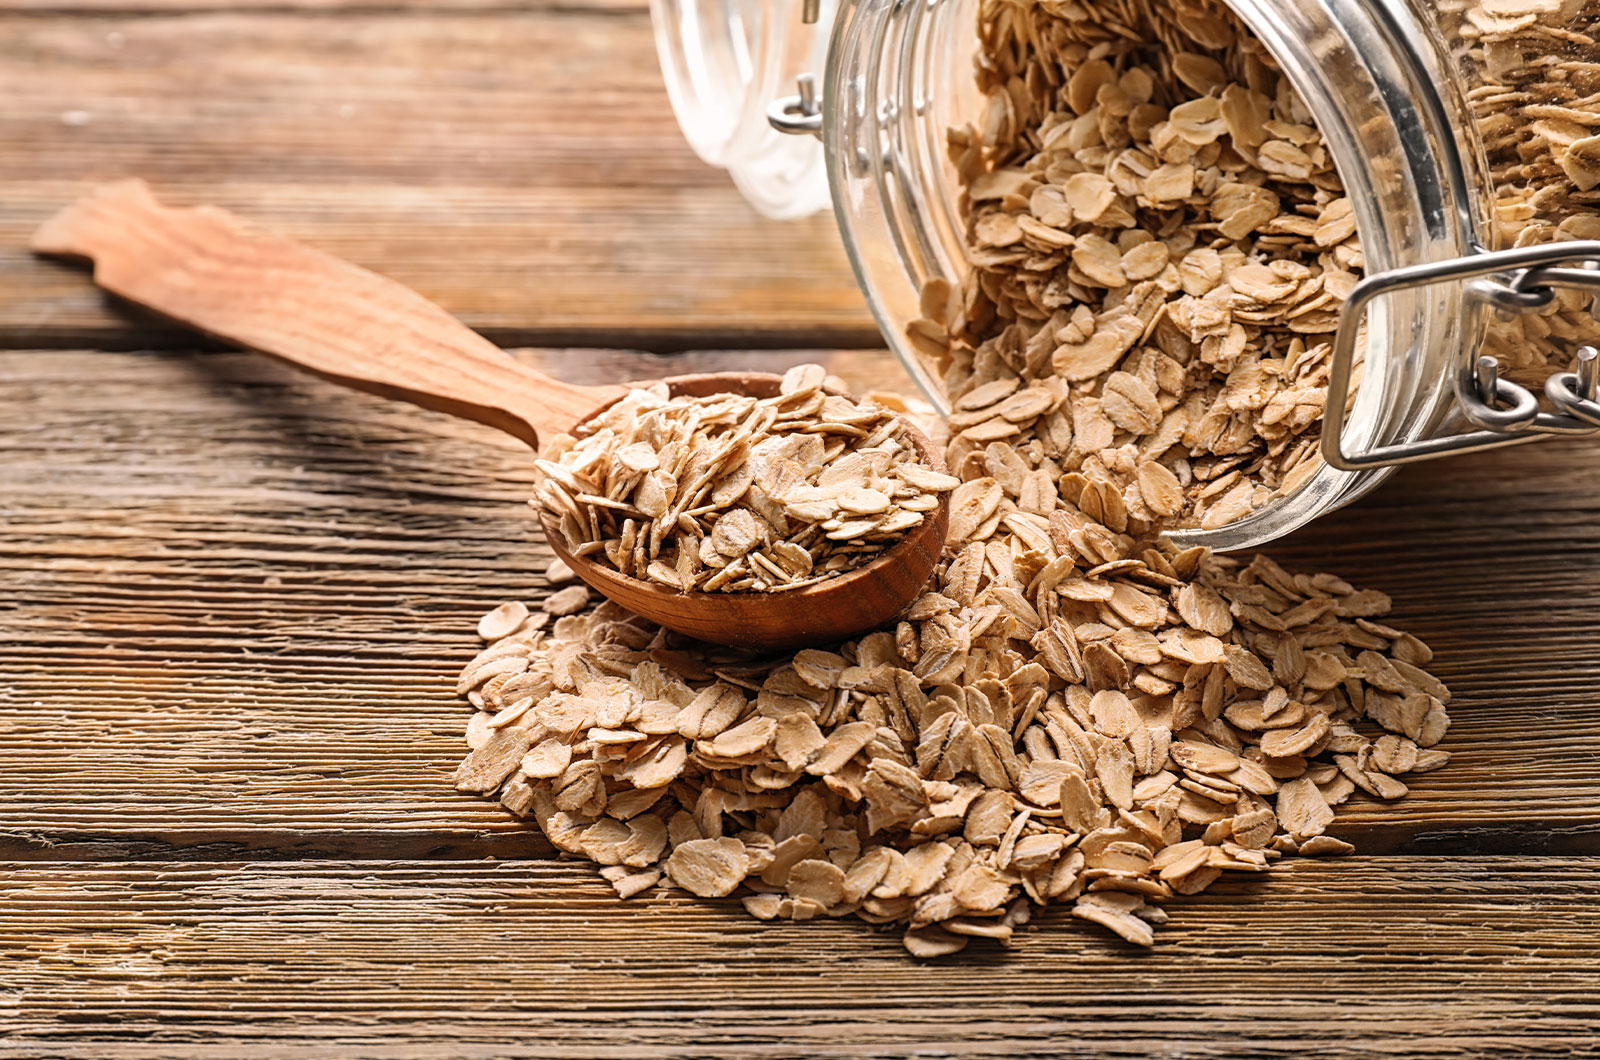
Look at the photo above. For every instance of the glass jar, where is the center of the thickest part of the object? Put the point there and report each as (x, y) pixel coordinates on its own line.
(1460, 235)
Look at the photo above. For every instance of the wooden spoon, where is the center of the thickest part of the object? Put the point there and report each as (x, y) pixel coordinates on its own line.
(201, 267)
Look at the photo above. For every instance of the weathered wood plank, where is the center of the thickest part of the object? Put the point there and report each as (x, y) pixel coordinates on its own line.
(520, 167)
(236, 599)
(1433, 957)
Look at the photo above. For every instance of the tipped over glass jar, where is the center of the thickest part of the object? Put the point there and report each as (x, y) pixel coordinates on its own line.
(1262, 251)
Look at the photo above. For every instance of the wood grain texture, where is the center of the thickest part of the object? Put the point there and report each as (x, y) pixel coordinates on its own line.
(1432, 958)
(237, 599)
(520, 167)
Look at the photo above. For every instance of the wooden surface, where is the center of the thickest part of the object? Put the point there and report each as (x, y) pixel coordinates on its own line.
(440, 957)
(520, 166)
(233, 599)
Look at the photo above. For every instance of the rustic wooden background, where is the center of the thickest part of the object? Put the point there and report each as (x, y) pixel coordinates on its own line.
(232, 601)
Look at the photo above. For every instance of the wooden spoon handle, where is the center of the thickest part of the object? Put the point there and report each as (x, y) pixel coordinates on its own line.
(202, 268)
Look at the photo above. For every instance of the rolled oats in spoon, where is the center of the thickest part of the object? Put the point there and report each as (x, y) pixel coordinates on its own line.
(731, 493)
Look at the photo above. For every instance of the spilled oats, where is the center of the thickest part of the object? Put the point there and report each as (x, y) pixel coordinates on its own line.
(1073, 711)
(1090, 722)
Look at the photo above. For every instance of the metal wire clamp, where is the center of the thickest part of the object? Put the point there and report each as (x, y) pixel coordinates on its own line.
(1520, 280)
(800, 114)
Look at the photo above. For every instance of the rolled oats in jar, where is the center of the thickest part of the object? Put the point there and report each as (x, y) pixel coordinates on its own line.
(1531, 74)
(1096, 151)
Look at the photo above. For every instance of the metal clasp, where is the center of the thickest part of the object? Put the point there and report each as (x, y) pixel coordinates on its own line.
(1520, 280)
(801, 114)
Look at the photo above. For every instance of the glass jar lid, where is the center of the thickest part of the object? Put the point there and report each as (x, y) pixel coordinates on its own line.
(724, 62)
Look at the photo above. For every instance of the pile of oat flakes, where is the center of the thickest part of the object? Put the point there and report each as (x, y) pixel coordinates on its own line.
(1088, 722)
(1073, 712)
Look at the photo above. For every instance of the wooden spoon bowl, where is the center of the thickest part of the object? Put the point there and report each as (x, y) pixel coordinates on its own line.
(203, 268)
(832, 610)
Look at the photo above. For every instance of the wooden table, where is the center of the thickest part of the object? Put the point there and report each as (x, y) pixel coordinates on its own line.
(232, 602)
